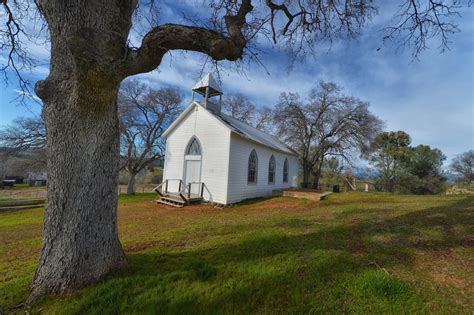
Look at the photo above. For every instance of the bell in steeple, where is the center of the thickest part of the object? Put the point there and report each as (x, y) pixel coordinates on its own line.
(208, 87)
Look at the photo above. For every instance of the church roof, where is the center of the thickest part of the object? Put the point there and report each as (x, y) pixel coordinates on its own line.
(251, 133)
(208, 81)
(242, 129)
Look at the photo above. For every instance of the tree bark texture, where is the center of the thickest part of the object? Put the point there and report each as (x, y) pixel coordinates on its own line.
(306, 172)
(316, 177)
(317, 174)
(80, 241)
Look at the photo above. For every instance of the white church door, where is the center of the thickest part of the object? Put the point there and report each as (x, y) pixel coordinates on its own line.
(193, 175)
(192, 166)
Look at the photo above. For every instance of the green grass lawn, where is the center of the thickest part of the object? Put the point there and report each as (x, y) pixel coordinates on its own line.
(352, 253)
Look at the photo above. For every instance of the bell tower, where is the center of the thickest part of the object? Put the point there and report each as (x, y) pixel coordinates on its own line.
(208, 87)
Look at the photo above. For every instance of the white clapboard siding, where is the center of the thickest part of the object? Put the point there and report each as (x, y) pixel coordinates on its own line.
(238, 188)
(214, 138)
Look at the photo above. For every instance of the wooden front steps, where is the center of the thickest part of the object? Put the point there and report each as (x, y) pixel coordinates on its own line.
(176, 200)
(182, 197)
(171, 201)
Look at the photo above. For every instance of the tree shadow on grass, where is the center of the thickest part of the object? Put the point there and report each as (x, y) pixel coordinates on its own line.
(250, 201)
(323, 270)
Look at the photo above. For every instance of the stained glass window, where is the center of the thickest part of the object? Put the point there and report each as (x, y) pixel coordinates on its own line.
(252, 167)
(271, 170)
(194, 148)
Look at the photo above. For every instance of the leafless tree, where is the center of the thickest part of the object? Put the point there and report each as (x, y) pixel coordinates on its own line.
(145, 114)
(263, 119)
(25, 133)
(239, 107)
(329, 124)
(462, 167)
(25, 137)
(91, 53)
(21, 164)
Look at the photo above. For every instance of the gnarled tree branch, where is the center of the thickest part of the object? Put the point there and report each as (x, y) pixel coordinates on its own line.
(166, 37)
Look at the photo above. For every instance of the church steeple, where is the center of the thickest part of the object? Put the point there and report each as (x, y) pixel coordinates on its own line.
(208, 87)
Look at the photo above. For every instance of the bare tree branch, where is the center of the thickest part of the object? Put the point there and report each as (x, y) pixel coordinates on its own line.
(21, 25)
(419, 21)
(25, 134)
(144, 114)
(239, 107)
(24, 141)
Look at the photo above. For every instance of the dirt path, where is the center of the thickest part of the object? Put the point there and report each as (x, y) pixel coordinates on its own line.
(26, 193)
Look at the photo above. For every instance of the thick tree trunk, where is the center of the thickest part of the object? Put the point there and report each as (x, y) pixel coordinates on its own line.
(131, 184)
(317, 175)
(81, 242)
(80, 238)
(306, 171)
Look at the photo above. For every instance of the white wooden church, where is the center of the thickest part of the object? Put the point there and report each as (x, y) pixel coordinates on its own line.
(215, 157)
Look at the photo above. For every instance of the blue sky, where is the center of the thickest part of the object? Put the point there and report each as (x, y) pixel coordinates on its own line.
(432, 98)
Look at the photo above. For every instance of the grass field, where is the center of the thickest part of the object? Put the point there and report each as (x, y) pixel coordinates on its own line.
(352, 253)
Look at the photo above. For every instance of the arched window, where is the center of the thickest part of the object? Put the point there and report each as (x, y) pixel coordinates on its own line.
(271, 170)
(252, 167)
(194, 147)
(285, 171)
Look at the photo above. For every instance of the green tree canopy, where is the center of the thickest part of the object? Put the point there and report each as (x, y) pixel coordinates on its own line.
(403, 168)
(387, 152)
(422, 171)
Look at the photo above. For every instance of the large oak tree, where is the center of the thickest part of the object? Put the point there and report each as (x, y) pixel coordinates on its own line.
(91, 54)
(329, 124)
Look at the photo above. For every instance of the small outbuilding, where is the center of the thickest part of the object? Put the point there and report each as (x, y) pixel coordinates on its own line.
(213, 156)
